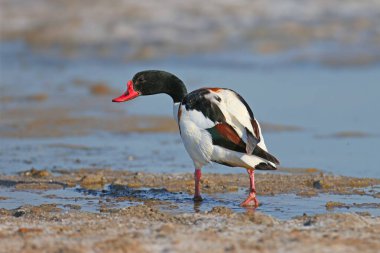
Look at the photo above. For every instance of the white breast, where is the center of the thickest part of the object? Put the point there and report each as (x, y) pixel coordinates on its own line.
(197, 140)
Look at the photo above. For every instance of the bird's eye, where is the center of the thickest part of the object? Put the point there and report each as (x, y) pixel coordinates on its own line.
(140, 79)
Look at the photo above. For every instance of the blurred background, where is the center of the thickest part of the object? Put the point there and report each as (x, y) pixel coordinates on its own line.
(309, 69)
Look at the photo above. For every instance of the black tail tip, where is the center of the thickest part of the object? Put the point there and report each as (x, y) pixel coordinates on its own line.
(265, 166)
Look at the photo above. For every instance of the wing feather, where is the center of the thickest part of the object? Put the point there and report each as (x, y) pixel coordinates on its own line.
(240, 116)
(251, 142)
(224, 135)
(229, 120)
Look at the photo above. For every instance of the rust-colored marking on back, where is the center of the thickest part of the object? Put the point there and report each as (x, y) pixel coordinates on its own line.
(215, 89)
(230, 134)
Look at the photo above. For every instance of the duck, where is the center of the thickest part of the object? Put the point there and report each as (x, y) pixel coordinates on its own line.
(216, 126)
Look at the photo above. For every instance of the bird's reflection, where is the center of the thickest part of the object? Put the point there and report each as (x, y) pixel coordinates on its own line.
(197, 206)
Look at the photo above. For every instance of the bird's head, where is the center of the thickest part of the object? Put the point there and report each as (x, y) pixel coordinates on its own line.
(152, 82)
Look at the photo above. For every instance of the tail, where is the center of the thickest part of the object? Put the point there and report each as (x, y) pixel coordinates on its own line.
(265, 155)
(259, 163)
(259, 159)
(270, 161)
(265, 166)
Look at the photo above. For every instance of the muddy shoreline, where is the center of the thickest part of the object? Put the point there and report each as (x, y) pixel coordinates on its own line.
(305, 182)
(145, 229)
(149, 225)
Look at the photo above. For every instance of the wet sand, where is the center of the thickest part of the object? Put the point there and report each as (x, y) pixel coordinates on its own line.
(149, 225)
(145, 229)
(306, 182)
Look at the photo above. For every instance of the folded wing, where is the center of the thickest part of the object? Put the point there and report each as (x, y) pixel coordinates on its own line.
(229, 120)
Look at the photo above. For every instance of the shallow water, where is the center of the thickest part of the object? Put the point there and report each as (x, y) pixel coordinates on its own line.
(165, 153)
(282, 206)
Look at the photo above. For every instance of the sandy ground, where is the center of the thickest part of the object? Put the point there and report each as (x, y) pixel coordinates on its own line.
(146, 228)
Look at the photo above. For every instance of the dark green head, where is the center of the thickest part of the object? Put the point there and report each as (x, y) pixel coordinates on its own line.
(150, 82)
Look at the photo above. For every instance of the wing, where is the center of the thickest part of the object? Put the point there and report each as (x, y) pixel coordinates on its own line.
(223, 106)
(225, 136)
(228, 119)
(239, 115)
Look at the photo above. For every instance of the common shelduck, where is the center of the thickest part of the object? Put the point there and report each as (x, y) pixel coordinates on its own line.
(216, 125)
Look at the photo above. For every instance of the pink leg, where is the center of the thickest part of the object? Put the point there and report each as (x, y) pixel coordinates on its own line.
(252, 190)
(197, 179)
